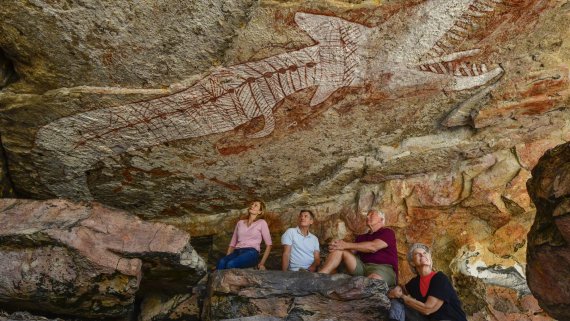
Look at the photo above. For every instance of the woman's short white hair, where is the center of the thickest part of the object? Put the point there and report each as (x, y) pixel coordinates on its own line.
(410, 255)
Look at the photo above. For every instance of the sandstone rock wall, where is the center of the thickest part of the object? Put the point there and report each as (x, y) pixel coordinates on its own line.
(134, 146)
(436, 111)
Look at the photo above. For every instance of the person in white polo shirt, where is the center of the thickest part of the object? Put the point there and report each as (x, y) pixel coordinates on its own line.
(301, 248)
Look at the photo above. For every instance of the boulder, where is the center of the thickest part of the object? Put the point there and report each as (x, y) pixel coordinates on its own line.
(87, 259)
(548, 249)
(268, 295)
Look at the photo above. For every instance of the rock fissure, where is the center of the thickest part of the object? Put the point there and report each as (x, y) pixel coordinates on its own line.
(6, 185)
(8, 74)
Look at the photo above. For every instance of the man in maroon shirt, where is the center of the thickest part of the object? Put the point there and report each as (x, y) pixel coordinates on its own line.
(373, 254)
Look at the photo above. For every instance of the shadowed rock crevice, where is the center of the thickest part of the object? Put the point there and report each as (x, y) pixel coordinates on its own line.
(8, 74)
(6, 187)
(548, 251)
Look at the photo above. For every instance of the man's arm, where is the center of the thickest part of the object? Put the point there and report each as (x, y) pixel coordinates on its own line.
(365, 247)
(285, 257)
(316, 262)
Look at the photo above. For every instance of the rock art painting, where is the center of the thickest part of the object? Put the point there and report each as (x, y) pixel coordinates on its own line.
(414, 47)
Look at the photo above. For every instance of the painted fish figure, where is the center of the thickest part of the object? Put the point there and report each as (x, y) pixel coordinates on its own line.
(410, 46)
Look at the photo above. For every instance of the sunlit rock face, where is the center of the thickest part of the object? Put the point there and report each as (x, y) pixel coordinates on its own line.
(548, 250)
(435, 111)
(87, 260)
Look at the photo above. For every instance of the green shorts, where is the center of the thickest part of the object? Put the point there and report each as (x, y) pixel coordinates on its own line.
(386, 271)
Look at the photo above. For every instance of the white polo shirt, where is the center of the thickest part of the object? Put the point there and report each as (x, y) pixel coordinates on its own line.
(302, 248)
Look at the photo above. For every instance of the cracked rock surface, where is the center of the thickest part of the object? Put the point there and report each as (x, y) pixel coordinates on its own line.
(87, 259)
(275, 295)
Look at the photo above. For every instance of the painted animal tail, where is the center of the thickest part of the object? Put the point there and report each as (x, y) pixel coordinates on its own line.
(222, 101)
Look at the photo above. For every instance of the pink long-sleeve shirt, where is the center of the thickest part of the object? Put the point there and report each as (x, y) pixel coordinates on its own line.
(245, 236)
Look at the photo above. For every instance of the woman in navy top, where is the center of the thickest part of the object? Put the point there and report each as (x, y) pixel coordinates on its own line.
(430, 294)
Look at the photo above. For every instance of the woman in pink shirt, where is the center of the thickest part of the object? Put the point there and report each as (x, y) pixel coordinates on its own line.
(245, 245)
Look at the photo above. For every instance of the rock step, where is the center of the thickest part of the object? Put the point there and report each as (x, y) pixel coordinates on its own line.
(274, 295)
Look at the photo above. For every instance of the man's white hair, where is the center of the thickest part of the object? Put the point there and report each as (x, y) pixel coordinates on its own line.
(377, 211)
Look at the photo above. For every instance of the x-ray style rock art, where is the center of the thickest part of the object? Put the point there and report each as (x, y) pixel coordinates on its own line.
(412, 46)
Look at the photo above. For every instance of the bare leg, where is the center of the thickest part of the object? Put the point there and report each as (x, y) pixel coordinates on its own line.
(332, 262)
(335, 258)
(375, 276)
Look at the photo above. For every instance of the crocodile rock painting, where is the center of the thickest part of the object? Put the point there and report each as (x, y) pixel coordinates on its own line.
(414, 47)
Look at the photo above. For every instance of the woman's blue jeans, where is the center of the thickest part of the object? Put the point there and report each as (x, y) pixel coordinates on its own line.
(239, 258)
(400, 312)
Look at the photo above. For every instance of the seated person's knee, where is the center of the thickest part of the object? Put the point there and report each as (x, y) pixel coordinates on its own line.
(375, 276)
(232, 265)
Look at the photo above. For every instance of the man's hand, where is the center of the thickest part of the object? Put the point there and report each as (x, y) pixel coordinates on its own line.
(337, 245)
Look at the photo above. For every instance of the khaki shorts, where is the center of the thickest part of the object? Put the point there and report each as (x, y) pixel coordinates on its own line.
(386, 271)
